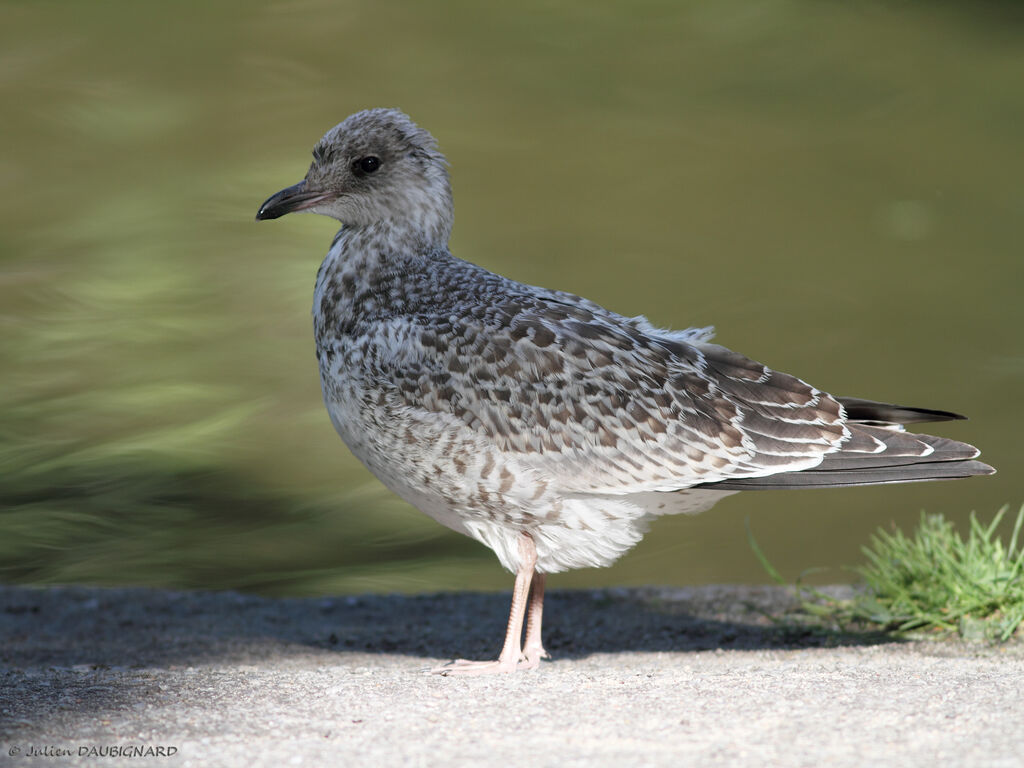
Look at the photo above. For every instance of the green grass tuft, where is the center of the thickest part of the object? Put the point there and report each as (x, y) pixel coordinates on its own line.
(935, 581)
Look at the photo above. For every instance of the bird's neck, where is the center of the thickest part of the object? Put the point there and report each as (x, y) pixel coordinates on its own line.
(368, 273)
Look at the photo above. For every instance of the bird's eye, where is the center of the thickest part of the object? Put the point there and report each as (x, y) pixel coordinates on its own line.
(367, 164)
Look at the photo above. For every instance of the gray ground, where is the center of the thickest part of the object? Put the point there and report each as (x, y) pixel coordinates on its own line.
(668, 677)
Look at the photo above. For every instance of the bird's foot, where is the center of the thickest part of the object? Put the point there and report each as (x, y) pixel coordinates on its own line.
(532, 655)
(467, 668)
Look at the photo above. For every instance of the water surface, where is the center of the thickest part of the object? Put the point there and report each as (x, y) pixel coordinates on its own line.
(838, 189)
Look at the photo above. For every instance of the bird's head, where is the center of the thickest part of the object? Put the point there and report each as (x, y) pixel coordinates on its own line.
(376, 168)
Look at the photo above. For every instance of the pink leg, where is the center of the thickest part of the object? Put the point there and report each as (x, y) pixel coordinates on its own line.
(533, 648)
(511, 651)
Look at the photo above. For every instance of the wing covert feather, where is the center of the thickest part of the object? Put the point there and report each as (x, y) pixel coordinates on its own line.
(599, 403)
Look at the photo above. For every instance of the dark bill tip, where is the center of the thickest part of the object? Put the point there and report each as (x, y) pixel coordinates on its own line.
(294, 198)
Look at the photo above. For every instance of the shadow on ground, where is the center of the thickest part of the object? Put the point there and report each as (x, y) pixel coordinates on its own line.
(69, 626)
(79, 650)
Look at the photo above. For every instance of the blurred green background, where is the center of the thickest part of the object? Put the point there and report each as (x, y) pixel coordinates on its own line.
(838, 187)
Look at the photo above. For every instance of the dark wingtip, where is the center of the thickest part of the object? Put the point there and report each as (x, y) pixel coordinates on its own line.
(871, 411)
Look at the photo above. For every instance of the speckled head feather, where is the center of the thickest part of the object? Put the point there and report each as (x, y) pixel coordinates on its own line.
(377, 168)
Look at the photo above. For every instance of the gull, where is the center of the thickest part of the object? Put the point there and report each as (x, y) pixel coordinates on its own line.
(537, 422)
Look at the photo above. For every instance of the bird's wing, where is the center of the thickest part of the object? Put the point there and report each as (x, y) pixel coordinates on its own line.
(594, 402)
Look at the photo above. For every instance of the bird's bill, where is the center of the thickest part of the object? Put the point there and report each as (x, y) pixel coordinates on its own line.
(290, 200)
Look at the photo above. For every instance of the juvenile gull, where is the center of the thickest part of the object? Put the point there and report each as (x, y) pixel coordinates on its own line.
(535, 421)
